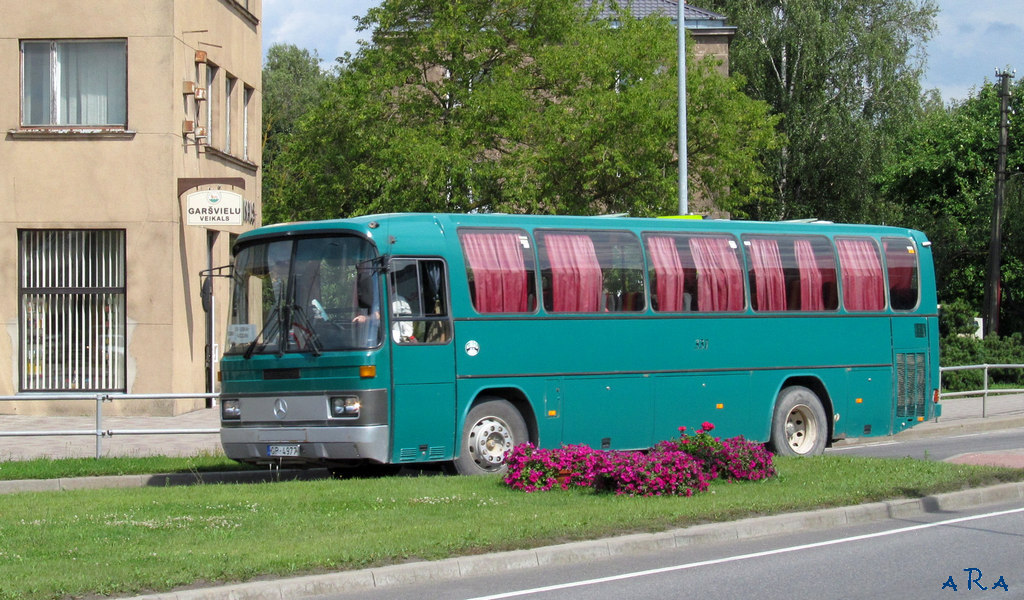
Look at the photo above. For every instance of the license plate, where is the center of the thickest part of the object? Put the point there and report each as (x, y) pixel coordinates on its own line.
(290, 450)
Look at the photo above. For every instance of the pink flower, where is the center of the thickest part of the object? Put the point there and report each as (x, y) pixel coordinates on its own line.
(706, 426)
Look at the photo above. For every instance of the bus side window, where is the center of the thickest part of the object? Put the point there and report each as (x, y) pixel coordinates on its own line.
(591, 271)
(499, 270)
(902, 270)
(861, 274)
(419, 302)
(789, 273)
(695, 272)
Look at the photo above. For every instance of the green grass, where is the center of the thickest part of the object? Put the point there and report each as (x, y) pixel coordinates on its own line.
(126, 541)
(46, 468)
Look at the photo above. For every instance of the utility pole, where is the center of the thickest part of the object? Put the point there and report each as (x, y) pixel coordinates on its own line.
(683, 159)
(992, 287)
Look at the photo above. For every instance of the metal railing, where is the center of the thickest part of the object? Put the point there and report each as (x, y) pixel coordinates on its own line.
(101, 433)
(985, 391)
(100, 398)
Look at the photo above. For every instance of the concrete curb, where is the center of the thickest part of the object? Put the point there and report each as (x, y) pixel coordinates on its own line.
(580, 552)
(15, 486)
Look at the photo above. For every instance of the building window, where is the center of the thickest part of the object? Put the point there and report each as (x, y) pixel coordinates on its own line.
(246, 120)
(229, 94)
(211, 78)
(74, 82)
(72, 310)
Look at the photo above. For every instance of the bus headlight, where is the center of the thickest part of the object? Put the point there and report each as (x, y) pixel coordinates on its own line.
(345, 406)
(230, 409)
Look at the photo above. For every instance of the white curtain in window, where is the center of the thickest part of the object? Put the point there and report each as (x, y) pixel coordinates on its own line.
(92, 83)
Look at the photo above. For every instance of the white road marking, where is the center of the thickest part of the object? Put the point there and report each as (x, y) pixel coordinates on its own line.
(728, 559)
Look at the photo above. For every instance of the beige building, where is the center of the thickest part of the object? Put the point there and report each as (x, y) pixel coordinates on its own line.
(129, 160)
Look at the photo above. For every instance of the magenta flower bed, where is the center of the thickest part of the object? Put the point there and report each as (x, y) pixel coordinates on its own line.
(678, 467)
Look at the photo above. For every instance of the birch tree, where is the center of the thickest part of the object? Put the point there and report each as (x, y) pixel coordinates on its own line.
(845, 74)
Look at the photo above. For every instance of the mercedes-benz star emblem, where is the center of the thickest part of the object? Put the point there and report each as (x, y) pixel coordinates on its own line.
(280, 408)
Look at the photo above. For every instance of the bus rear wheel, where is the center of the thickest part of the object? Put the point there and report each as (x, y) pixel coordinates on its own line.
(492, 428)
(799, 426)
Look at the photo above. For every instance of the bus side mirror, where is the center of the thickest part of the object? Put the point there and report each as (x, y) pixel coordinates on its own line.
(206, 293)
(206, 288)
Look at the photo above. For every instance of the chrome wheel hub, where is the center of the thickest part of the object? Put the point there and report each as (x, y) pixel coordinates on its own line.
(489, 440)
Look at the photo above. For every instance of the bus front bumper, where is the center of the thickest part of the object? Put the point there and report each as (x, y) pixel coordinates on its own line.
(306, 445)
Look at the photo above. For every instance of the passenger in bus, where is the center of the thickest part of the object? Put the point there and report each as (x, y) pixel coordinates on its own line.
(401, 331)
(368, 316)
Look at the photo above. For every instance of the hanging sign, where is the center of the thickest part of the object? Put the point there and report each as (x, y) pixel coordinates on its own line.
(214, 207)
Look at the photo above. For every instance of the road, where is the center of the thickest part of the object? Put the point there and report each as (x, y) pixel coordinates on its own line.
(916, 558)
(912, 559)
(936, 448)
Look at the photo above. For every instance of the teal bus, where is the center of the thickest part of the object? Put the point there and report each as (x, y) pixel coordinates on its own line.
(450, 338)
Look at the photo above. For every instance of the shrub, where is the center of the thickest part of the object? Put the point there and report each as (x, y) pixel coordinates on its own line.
(657, 473)
(993, 350)
(681, 466)
(532, 469)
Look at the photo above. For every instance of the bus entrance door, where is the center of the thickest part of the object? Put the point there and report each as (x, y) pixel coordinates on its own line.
(422, 362)
(911, 348)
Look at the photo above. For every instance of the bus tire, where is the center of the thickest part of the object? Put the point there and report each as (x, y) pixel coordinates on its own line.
(799, 425)
(491, 429)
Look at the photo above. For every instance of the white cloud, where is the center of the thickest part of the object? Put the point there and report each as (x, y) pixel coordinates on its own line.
(973, 40)
(327, 26)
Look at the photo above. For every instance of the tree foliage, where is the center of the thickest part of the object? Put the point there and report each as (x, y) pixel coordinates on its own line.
(518, 106)
(845, 75)
(942, 179)
(292, 84)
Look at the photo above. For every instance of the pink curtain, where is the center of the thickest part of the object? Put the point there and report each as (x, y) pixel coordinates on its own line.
(861, 275)
(769, 278)
(668, 273)
(810, 277)
(719, 276)
(499, 272)
(576, 280)
(901, 262)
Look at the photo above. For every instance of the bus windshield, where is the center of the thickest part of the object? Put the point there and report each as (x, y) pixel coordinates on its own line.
(305, 295)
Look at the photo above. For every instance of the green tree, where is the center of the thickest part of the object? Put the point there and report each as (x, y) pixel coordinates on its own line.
(941, 177)
(518, 106)
(293, 82)
(845, 75)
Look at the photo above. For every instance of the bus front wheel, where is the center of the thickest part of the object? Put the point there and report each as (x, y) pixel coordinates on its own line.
(492, 428)
(799, 426)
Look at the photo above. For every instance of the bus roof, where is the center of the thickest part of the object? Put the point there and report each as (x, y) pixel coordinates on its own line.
(413, 223)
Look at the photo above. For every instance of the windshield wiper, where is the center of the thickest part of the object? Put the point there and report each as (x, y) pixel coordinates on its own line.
(307, 326)
(272, 319)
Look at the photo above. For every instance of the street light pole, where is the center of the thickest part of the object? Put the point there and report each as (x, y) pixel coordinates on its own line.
(683, 160)
(992, 287)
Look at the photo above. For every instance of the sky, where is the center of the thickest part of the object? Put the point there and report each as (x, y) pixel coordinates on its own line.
(974, 37)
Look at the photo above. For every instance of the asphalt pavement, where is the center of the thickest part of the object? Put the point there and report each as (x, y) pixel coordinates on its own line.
(960, 416)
